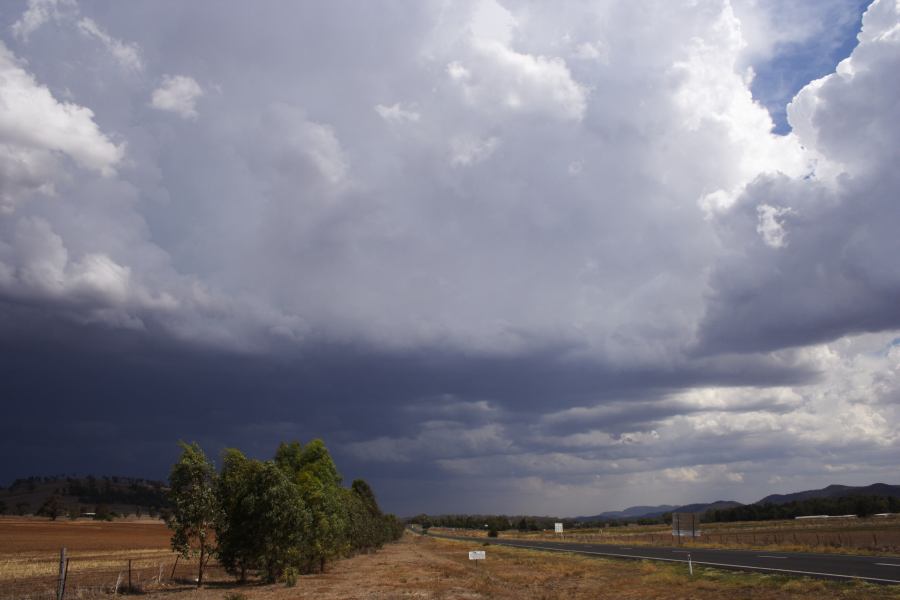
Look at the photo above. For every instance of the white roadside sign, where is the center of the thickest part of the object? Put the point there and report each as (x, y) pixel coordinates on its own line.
(476, 555)
(558, 527)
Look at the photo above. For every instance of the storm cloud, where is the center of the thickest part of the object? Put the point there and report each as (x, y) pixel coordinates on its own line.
(500, 256)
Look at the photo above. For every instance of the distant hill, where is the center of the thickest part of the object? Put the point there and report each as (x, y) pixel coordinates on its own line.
(703, 507)
(835, 491)
(831, 491)
(632, 512)
(121, 495)
(654, 512)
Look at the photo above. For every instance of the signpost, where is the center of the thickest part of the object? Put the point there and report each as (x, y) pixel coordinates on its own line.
(685, 525)
(476, 555)
(558, 527)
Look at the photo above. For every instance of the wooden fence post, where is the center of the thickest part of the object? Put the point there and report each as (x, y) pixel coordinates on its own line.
(61, 581)
(130, 589)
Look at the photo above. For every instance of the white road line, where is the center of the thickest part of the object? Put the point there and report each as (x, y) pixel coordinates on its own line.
(711, 564)
(887, 565)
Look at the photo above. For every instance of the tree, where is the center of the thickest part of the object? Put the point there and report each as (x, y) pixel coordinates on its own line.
(103, 513)
(195, 508)
(264, 523)
(22, 508)
(313, 470)
(52, 507)
(234, 529)
(2, 507)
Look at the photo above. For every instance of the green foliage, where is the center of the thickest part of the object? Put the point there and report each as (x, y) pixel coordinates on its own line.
(265, 520)
(52, 507)
(195, 508)
(278, 518)
(290, 577)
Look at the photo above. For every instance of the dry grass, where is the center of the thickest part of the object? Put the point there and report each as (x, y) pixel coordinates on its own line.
(858, 536)
(435, 569)
(416, 567)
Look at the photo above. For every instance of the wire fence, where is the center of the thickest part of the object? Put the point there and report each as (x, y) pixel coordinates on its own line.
(87, 578)
(874, 536)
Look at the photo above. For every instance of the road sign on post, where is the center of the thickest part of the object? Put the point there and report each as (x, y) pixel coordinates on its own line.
(558, 527)
(476, 555)
(686, 525)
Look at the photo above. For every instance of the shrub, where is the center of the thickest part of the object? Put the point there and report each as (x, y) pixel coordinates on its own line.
(235, 596)
(290, 577)
(492, 533)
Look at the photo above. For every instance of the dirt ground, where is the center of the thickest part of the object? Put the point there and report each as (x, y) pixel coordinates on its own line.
(25, 535)
(426, 568)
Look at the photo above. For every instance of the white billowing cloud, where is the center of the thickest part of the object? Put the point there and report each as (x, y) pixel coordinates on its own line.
(611, 204)
(468, 150)
(498, 80)
(125, 54)
(596, 51)
(39, 12)
(840, 214)
(177, 94)
(541, 202)
(395, 113)
(770, 227)
(491, 21)
(293, 141)
(36, 130)
(45, 269)
(769, 26)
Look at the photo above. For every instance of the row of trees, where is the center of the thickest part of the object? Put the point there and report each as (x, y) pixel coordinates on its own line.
(21, 508)
(524, 523)
(272, 518)
(862, 506)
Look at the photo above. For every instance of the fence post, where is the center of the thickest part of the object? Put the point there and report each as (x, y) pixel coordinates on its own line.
(130, 589)
(172, 576)
(60, 583)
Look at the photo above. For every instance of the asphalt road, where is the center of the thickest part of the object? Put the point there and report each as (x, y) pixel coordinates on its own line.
(878, 569)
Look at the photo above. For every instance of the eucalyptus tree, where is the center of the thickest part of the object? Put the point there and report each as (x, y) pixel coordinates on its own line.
(195, 506)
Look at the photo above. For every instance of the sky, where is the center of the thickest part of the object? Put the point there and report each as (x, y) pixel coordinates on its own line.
(502, 257)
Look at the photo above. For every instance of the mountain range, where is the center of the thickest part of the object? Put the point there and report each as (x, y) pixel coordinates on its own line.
(831, 491)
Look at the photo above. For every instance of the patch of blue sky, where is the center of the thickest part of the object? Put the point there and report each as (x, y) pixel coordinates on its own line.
(794, 64)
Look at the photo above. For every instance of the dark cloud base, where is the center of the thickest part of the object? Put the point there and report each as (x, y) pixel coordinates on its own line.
(87, 398)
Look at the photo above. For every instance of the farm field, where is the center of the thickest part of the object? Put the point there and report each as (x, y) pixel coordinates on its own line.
(852, 536)
(415, 567)
(98, 552)
(427, 569)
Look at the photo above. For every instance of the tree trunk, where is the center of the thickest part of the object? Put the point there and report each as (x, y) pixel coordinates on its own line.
(200, 568)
